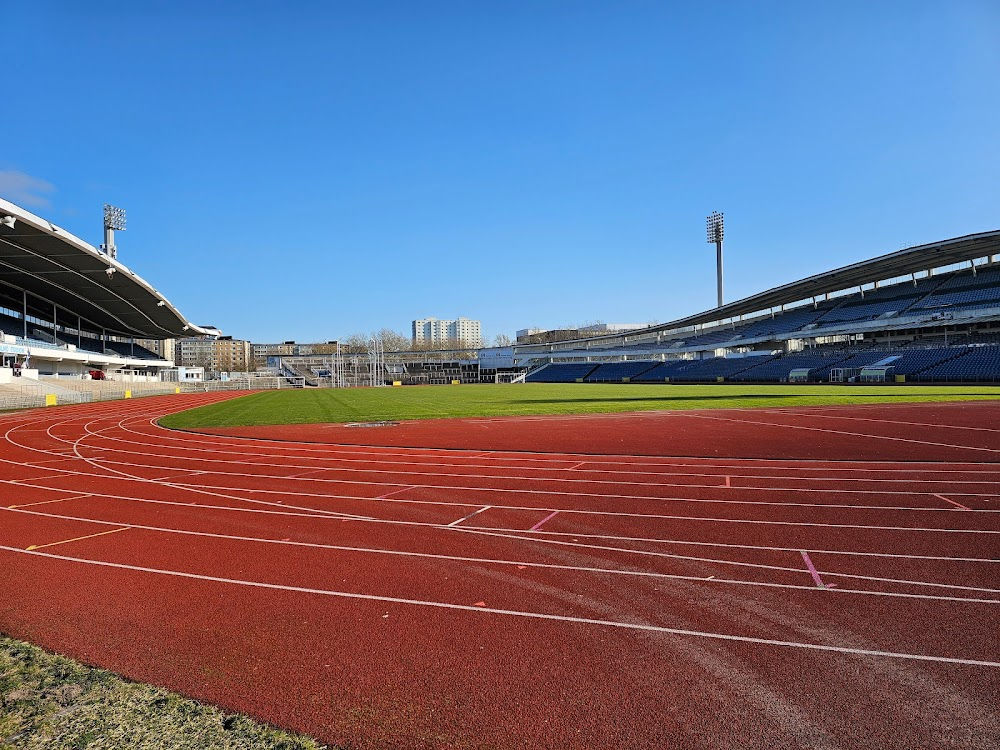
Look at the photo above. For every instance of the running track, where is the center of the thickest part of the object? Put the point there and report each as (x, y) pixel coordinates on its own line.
(664, 582)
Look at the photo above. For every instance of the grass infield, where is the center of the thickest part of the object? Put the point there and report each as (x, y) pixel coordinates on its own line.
(310, 406)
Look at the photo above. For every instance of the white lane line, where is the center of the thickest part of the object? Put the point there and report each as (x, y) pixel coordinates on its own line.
(336, 452)
(517, 613)
(506, 534)
(667, 517)
(894, 421)
(376, 467)
(47, 502)
(844, 432)
(679, 542)
(646, 516)
(196, 488)
(516, 534)
(107, 466)
(182, 474)
(473, 513)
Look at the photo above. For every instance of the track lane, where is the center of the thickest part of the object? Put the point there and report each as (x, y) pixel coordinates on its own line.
(418, 695)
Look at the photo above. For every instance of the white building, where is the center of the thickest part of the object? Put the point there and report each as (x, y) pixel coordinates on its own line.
(463, 331)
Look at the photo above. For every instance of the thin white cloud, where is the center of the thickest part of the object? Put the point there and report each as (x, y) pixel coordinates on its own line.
(25, 190)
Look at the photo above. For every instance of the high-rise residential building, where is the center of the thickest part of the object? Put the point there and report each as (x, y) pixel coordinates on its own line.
(224, 354)
(464, 332)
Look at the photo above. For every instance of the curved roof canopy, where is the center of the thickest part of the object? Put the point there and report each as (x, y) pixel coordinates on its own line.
(891, 265)
(48, 262)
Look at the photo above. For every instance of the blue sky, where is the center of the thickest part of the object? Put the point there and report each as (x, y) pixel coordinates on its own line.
(308, 170)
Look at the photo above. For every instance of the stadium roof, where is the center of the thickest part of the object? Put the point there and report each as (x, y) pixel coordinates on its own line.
(891, 265)
(49, 262)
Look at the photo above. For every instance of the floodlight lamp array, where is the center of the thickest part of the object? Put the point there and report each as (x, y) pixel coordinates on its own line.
(714, 227)
(114, 217)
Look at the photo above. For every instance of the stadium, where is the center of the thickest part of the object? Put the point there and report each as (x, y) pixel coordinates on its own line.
(923, 314)
(477, 566)
(73, 314)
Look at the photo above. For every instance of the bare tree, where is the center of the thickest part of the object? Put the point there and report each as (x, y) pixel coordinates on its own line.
(356, 342)
(502, 339)
(393, 341)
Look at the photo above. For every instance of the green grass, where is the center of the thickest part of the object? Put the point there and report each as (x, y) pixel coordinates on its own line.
(430, 402)
(51, 702)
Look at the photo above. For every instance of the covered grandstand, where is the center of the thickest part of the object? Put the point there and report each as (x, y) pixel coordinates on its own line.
(70, 312)
(923, 314)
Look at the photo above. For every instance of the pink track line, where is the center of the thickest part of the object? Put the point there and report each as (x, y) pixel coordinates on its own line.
(539, 524)
(957, 505)
(812, 570)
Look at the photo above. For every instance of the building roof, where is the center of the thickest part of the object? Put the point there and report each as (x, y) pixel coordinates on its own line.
(45, 260)
(890, 265)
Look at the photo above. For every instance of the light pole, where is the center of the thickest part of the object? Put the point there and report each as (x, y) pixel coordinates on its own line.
(114, 218)
(715, 229)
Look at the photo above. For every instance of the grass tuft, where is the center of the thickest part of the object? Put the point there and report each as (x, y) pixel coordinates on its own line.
(52, 702)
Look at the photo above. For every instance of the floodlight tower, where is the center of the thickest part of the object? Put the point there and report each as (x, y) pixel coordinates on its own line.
(114, 218)
(715, 230)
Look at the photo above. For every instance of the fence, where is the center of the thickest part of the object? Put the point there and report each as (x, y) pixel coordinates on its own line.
(244, 384)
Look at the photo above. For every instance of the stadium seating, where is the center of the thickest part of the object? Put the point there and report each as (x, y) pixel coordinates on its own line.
(856, 360)
(664, 370)
(778, 369)
(976, 364)
(785, 322)
(561, 372)
(11, 326)
(963, 290)
(126, 350)
(616, 372)
(913, 361)
(710, 370)
(719, 336)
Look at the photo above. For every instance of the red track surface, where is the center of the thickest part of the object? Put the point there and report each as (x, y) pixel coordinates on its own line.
(591, 590)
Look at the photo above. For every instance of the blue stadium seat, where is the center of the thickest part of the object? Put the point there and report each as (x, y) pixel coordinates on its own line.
(561, 372)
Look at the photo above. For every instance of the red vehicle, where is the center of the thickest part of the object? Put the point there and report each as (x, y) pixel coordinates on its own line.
(97, 375)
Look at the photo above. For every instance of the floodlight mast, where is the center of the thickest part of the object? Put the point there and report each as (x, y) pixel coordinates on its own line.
(114, 218)
(716, 230)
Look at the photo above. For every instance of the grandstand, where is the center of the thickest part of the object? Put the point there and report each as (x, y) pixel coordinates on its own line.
(70, 313)
(929, 313)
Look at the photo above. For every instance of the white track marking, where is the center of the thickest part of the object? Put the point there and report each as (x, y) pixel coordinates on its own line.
(214, 491)
(850, 434)
(370, 466)
(519, 613)
(891, 421)
(473, 513)
(575, 568)
(394, 452)
(668, 517)
(682, 542)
